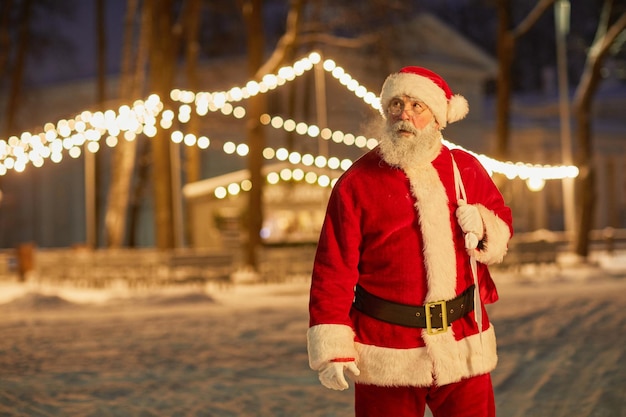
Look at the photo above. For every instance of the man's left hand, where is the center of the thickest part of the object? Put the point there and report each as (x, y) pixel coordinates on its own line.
(469, 219)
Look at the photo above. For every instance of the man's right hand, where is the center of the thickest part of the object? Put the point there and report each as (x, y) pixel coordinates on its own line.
(332, 375)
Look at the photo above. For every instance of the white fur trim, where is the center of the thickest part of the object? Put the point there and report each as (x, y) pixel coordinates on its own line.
(443, 357)
(434, 219)
(443, 362)
(394, 367)
(427, 91)
(497, 235)
(326, 342)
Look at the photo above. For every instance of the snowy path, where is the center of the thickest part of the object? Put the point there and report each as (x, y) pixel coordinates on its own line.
(241, 352)
(563, 350)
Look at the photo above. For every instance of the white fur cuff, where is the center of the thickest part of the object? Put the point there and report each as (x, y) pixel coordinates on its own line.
(497, 235)
(326, 342)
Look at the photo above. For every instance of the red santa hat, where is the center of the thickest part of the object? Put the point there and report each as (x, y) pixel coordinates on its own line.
(427, 87)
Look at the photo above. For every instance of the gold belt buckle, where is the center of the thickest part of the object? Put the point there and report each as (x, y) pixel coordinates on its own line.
(444, 317)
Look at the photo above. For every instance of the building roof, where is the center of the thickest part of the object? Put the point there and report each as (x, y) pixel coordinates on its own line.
(428, 39)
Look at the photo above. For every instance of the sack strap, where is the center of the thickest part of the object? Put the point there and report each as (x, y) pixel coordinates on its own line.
(461, 195)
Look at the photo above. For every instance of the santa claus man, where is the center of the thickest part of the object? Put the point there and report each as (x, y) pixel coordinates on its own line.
(400, 276)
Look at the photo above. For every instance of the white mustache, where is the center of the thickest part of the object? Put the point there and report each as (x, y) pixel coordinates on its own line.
(404, 126)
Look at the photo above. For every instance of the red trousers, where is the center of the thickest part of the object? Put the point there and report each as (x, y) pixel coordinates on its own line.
(472, 397)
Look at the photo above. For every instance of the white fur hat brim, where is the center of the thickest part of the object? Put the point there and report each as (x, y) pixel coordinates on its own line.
(427, 91)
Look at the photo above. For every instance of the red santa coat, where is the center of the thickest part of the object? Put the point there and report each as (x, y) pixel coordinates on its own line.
(395, 233)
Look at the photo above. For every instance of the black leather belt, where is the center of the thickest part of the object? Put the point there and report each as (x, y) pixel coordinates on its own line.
(435, 317)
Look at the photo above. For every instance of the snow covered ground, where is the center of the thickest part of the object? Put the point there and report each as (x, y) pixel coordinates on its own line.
(240, 350)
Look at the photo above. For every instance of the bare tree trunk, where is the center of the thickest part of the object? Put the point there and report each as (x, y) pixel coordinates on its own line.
(507, 37)
(5, 39)
(93, 162)
(583, 100)
(506, 51)
(123, 161)
(162, 61)
(139, 190)
(253, 15)
(4, 49)
(141, 149)
(13, 101)
(252, 12)
(585, 183)
(192, 48)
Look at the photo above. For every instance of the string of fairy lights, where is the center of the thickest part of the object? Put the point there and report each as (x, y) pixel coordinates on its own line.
(86, 131)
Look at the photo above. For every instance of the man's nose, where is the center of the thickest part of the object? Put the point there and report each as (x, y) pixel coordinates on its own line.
(404, 115)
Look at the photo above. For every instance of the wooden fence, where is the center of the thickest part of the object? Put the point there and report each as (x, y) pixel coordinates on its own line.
(138, 268)
(152, 267)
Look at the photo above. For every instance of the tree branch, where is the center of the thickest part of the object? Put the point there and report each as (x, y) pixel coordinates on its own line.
(287, 41)
(531, 18)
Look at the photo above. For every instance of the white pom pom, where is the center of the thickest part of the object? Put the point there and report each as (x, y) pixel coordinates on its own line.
(457, 108)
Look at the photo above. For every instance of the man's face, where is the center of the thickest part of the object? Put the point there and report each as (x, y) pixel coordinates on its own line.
(407, 109)
(411, 134)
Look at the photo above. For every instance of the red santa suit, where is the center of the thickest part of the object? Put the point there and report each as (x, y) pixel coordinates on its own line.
(393, 232)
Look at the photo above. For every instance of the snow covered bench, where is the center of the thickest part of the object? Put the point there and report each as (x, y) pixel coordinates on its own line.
(195, 266)
(137, 268)
(539, 252)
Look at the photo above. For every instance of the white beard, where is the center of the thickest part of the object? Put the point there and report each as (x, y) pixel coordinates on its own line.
(403, 151)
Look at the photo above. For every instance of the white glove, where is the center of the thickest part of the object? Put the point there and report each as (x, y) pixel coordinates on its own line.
(332, 375)
(471, 242)
(470, 221)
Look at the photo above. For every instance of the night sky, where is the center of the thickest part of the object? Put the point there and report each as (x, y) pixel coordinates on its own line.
(72, 52)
